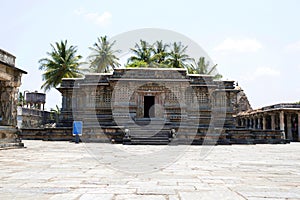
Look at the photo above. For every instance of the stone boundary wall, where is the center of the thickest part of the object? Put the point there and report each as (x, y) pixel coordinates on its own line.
(33, 118)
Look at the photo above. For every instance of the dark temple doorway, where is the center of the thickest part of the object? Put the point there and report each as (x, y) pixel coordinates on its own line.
(149, 110)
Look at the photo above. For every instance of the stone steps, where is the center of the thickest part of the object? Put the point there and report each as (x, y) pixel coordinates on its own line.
(141, 141)
(156, 134)
(142, 138)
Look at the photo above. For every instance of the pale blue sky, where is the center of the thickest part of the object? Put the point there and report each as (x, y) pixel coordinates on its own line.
(256, 43)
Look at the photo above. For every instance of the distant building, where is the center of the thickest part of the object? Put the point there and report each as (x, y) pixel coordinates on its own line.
(33, 115)
(35, 100)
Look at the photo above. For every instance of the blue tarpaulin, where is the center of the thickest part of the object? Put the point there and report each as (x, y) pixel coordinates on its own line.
(77, 127)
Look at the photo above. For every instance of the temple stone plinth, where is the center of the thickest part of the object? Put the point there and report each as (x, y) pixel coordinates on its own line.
(9, 138)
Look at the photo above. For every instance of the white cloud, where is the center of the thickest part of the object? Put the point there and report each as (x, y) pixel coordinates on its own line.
(239, 45)
(261, 72)
(103, 19)
(293, 46)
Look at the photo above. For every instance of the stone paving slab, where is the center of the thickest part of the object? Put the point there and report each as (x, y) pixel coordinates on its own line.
(64, 170)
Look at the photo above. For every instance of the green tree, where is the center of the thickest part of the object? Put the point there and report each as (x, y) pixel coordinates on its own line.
(62, 62)
(103, 57)
(160, 51)
(137, 64)
(177, 57)
(21, 99)
(142, 52)
(55, 113)
(202, 67)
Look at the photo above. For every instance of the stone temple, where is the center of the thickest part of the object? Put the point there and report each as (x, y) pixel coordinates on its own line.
(10, 80)
(157, 106)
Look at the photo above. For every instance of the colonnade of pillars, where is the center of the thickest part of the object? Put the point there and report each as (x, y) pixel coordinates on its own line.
(289, 122)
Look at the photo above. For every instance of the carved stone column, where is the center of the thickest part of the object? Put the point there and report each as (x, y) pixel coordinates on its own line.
(258, 123)
(246, 122)
(273, 121)
(242, 122)
(264, 122)
(289, 127)
(298, 126)
(281, 122)
(250, 122)
(254, 123)
(281, 119)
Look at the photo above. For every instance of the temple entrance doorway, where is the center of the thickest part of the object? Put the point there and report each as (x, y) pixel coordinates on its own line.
(149, 110)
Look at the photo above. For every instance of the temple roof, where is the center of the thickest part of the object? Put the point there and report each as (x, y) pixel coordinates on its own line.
(8, 60)
(274, 107)
(174, 75)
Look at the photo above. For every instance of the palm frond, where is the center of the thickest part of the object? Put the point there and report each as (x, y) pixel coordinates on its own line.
(62, 62)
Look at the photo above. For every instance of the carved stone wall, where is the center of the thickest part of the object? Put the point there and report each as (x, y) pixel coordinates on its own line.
(8, 104)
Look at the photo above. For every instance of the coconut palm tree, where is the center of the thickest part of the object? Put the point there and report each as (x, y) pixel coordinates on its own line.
(202, 67)
(177, 57)
(160, 51)
(103, 57)
(142, 52)
(61, 63)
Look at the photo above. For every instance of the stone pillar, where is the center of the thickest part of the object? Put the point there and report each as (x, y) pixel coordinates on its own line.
(273, 121)
(289, 127)
(264, 122)
(254, 123)
(242, 122)
(247, 123)
(258, 123)
(299, 126)
(281, 119)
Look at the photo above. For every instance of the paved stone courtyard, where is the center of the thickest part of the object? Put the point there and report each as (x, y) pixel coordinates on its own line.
(64, 170)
